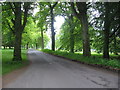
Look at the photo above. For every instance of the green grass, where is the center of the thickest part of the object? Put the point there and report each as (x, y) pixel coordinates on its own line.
(8, 65)
(95, 59)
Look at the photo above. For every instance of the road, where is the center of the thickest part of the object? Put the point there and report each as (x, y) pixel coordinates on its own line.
(47, 71)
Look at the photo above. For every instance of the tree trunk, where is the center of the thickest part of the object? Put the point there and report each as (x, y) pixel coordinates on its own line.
(9, 47)
(115, 47)
(18, 32)
(71, 34)
(86, 42)
(106, 45)
(36, 46)
(27, 46)
(4, 47)
(42, 39)
(82, 7)
(106, 32)
(17, 47)
(52, 29)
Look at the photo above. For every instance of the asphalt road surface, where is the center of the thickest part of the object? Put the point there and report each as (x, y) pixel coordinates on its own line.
(47, 71)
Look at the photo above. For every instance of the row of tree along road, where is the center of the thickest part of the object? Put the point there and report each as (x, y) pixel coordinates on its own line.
(93, 25)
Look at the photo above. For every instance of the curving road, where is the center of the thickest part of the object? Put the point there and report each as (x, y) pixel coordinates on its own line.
(47, 71)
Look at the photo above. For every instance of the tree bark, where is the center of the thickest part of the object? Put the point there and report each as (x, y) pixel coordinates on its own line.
(19, 25)
(71, 34)
(27, 46)
(9, 47)
(18, 32)
(52, 24)
(106, 44)
(82, 7)
(52, 29)
(86, 42)
(42, 39)
(106, 32)
(17, 47)
(115, 47)
(36, 46)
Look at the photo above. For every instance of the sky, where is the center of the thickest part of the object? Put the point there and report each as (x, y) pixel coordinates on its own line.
(59, 20)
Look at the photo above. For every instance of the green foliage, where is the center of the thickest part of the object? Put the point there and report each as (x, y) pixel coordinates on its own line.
(40, 22)
(7, 34)
(96, 13)
(7, 38)
(63, 38)
(32, 34)
(8, 65)
(89, 60)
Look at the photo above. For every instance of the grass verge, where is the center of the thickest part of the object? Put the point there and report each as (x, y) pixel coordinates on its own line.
(8, 65)
(93, 60)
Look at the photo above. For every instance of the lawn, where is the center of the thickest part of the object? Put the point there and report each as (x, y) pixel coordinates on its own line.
(94, 59)
(8, 65)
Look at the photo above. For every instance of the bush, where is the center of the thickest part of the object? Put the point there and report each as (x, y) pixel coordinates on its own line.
(114, 63)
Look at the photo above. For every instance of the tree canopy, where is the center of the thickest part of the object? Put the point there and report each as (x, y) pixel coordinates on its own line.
(87, 26)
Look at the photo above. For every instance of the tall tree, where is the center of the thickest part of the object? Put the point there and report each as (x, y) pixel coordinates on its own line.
(106, 31)
(69, 37)
(42, 15)
(81, 13)
(31, 36)
(106, 20)
(71, 34)
(69, 17)
(52, 24)
(19, 11)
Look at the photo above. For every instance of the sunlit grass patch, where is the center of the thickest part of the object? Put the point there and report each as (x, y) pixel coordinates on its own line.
(8, 65)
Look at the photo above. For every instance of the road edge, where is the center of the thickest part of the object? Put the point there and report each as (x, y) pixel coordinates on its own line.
(93, 65)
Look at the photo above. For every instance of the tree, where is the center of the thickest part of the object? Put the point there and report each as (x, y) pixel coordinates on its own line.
(19, 11)
(42, 15)
(52, 24)
(105, 12)
(28, 33)
(65, 38)
(106, 31)
(31, 36)
(82, 16)
(71, 34)
(69, 17)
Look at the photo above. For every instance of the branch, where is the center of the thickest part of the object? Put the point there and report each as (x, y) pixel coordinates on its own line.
(55, 4)
(11, 7)
(114, 31)
(118, 33)
(50, 5)
(8, 8)
(13, 21)
(115, 35)
(5, 9)
(62, 9)
(10, 27)
(25, 16)
(64, 12)
(74, 10)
